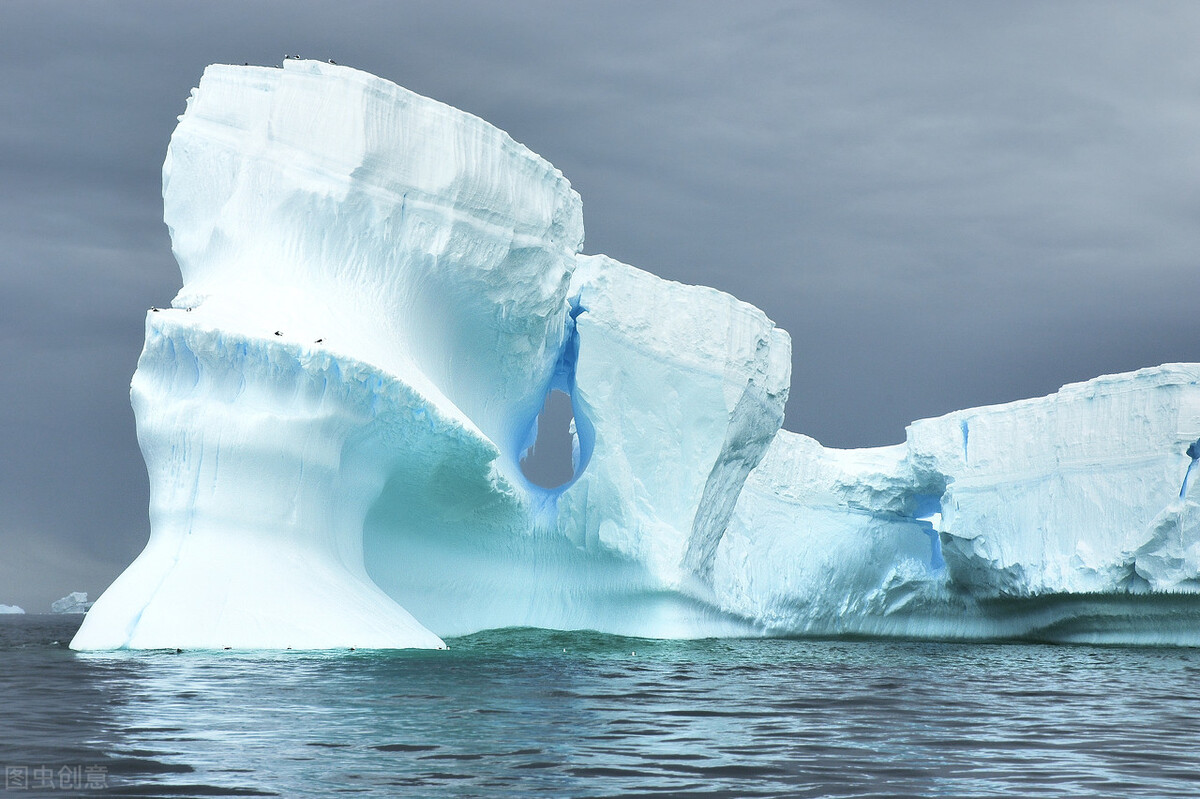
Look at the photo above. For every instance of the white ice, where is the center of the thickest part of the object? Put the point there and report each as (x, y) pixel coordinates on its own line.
(11, 609)
(380, 291)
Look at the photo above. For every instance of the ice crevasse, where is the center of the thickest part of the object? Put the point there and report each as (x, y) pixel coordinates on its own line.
(379, 293)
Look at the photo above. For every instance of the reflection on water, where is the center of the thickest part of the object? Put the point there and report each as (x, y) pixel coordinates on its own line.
(579, 714)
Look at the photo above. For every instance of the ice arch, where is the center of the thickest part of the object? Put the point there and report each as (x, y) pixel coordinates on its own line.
(378, 295)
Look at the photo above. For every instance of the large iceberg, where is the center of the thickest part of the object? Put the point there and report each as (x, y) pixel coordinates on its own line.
(379, 294)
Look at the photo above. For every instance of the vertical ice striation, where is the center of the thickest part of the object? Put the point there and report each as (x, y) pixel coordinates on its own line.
(684, 387)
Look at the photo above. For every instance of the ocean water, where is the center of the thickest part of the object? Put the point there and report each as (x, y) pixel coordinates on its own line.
(531, 712)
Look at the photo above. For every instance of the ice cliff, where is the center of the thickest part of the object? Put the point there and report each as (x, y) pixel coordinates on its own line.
(379, 293)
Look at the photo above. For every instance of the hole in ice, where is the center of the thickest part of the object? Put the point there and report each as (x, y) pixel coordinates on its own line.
(928, 509)
(549, 462)
(1193, 452)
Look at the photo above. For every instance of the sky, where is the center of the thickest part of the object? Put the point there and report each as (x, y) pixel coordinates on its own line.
(946, 204)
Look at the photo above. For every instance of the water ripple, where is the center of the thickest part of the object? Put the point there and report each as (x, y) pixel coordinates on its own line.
(509, 713)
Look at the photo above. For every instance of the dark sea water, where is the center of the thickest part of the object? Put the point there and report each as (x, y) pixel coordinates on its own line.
(528, 712)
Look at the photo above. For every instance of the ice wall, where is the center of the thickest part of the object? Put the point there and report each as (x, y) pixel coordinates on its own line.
(683, 388)
(1055, 518)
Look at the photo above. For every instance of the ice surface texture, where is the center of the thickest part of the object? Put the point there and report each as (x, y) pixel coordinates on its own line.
(380, 291)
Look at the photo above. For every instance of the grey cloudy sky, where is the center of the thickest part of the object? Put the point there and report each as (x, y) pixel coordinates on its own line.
(945, 204)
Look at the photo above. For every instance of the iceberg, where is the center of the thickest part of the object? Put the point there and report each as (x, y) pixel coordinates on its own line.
(373, 302)
(74, 602)
(1055, 518)
(13, 609)
(380, 292)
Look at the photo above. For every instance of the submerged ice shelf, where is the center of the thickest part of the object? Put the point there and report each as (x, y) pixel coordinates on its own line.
(379, 294)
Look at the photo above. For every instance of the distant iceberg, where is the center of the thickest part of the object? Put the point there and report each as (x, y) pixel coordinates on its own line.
(74, 602)
(380, 292)
(11, 609)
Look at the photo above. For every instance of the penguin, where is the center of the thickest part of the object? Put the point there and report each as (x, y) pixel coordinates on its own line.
(278, 332)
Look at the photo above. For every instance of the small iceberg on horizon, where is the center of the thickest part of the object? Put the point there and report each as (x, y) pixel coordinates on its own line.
(12, 609)
(74, 602)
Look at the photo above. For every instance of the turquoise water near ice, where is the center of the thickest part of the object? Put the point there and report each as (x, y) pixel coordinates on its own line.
(532, 712)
